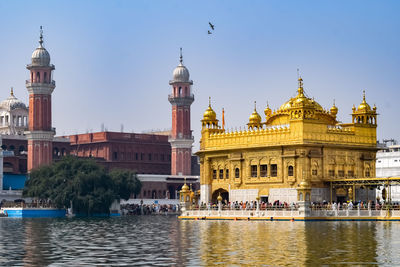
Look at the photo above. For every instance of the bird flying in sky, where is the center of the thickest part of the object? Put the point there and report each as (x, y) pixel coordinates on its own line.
(211, 25)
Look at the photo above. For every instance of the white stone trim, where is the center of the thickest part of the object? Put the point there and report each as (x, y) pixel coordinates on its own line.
(181, 143)
(42, 89)
(40, 135)
(243, 195)
(205, 193)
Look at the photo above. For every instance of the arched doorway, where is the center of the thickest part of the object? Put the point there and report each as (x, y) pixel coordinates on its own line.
(224, 195)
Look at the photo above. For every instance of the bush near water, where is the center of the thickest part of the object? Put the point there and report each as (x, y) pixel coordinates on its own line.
(82, 182)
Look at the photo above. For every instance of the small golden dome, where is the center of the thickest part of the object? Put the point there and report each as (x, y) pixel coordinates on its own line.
(267, 111)
(219, 198)
(210, 114)
(192, 194)
(185, 188)
(364, 107)
(334, 109)
(304, 185)
(255, 118)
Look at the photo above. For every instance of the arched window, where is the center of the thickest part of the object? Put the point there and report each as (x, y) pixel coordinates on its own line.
(180, 91)
(21, 149)
(237, 173)
(45, 77)
(4, 147)
(11, 148)
(307, 196)
(38, 77)
(290, 171)
(301, 197)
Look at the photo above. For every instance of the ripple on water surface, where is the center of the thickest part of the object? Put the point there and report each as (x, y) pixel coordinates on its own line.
(165, 241)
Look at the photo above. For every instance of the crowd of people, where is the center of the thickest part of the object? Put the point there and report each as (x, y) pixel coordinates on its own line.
(278, 205)
(248, 205)
(152, 209)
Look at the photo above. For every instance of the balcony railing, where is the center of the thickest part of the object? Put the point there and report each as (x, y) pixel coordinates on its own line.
(28, 82)
(171, 96)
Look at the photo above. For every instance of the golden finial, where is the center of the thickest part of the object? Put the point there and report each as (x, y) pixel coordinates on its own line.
(363, 95)
(333, 102)
(300, 90)
(12, 91)
(209, 101)
(267, 104)
(255, 105)
(223, 118)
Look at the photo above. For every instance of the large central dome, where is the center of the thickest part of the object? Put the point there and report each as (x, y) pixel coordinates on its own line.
(301, 100)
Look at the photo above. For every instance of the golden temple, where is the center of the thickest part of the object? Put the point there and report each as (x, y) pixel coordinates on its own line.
(299, 142)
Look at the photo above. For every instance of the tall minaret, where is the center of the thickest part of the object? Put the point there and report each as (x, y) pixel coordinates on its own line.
(181, 136)
(40, 86)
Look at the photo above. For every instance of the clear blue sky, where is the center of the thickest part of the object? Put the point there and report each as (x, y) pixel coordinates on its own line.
(114, 58)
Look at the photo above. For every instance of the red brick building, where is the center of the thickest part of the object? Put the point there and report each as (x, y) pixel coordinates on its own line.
(143, 153)
(15, 152)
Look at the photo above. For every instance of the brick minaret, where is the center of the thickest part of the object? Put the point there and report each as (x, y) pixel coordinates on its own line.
(40, 86)
(181, 135)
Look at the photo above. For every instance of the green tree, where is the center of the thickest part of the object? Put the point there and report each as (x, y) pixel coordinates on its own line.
(81, 182)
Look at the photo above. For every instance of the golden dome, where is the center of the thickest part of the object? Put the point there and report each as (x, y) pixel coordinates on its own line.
(219, 198)
(334, 109)
(304, 185)
(364, 107)
(255, 118)
(192, 194)
(185, 188)
(301, 100)
(267, 111)
(209, 114)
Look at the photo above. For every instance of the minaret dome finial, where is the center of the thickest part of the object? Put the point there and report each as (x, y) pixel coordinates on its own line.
(181, 57)
(41, 37)
(12, 91)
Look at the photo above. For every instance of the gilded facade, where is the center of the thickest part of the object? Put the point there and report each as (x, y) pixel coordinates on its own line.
(300, 141)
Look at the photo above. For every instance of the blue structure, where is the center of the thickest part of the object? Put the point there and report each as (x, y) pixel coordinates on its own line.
(34, 212)
(15, 181)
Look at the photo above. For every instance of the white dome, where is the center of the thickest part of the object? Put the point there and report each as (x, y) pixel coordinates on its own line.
(12, 103)
(40, 57)
(180, 74)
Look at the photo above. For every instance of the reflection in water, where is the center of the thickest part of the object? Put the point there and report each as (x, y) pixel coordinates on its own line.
(164, 240)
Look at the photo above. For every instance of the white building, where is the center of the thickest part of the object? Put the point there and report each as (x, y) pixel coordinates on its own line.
(13, 116)
(388, 165)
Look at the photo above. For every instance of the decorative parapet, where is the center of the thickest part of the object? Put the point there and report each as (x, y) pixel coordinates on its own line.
(243, 138)
(338, 129)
